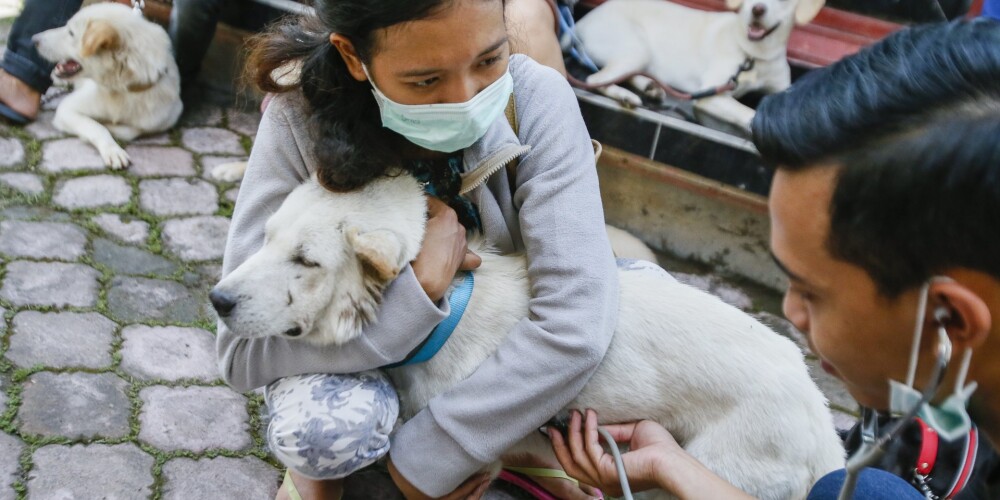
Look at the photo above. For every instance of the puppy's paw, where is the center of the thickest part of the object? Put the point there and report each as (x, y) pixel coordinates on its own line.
(114, 156)
(626, 97)
(229, 172)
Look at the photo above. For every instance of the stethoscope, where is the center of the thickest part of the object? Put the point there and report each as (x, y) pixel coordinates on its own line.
(872, 447)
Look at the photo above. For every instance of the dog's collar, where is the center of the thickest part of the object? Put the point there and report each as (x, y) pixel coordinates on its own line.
(458, 300)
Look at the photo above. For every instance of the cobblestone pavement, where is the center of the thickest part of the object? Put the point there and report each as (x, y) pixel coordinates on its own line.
(108, 385)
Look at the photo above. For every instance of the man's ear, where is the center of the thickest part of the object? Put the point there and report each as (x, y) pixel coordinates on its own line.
(99, 36)
(968, 320)
(733, 4)
(806, 10)
(350, 56)
(379, 250)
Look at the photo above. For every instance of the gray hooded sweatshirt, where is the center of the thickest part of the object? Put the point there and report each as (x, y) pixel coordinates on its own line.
(554, 216)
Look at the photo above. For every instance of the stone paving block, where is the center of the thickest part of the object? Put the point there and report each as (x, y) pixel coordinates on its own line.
(194, 418)
(179, 353)
(24, 212)
(50, 284)
(208, 163)
(196, 238)
(161, 139)
(42, 240)
(70, 154)
(212, 273)
(61, 340)
(121, 471)
(209, 140)
(843, 421)
(178, 196)
(3, 321)
(201, 114)
(232, 194)
(129, 231)
(220, 478)
(12, 152)
(244, 122)
(130, 260)
(156, 161)
(74, 405)
(29, 184)
(728, 293)
(833, 388)
(143, 299)
(10, 462)
(92, 191)
(42, 128)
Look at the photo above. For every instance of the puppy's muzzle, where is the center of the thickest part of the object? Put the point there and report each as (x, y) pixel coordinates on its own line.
(223, 302)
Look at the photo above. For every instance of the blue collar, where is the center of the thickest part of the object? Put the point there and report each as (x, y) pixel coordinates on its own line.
(457, 301)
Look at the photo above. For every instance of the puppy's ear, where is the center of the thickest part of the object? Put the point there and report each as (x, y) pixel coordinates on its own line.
(806, 10)
(379, 251)
(99, 36)
(733, 4)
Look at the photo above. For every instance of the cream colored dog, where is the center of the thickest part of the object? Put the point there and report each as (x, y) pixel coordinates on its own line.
(735, 394)
(694, 50)
(125, 78)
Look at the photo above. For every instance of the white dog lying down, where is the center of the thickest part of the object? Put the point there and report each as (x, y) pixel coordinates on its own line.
(735, 394)
(694, 50)
(126, 81)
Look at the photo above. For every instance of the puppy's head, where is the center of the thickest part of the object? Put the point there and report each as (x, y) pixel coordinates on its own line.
(763, 18)
(326, 259)
(107, 43)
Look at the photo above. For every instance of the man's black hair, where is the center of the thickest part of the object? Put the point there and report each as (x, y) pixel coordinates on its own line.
(913, 125)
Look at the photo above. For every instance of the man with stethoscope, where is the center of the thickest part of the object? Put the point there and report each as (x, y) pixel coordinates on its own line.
(885, 216)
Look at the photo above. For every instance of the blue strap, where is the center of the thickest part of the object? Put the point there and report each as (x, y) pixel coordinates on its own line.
(458, 301)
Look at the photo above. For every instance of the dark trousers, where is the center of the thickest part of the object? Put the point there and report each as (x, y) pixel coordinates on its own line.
(192, 26)
(873, 484)
(21, 59)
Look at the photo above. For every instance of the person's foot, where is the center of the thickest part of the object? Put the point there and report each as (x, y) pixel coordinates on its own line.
(18, 96)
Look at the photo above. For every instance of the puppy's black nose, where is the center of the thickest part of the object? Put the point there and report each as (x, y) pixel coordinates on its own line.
(759, 10)
(222, 302)
(293, 332)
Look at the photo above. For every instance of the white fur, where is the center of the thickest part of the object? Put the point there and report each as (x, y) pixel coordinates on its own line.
(691, 49)
(124, 91)
(735, 394)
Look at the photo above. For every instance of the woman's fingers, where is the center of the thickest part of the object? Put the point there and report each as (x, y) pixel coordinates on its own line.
(471, 261)
(578, 446)
(565, 457)
(594, 449)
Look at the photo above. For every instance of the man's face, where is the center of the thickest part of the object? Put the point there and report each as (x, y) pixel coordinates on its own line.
(861, 337)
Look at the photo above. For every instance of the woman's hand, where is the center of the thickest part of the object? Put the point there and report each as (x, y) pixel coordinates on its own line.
(472, 489)
(444, 251)
(582, 456)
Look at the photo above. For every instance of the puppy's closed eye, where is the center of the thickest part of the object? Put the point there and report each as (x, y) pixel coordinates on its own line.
(301, 260)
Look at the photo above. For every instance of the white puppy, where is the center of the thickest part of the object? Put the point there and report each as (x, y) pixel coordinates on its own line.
(693, 50)
(735, 394)
(125, 78)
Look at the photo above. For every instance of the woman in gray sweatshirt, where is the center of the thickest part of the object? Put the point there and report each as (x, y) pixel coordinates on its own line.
(349, 118)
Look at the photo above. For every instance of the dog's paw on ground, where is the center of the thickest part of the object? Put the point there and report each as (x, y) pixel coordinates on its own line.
(114, 156)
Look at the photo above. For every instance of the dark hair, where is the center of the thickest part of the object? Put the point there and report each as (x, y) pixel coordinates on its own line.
(913, 125)
(350, 143)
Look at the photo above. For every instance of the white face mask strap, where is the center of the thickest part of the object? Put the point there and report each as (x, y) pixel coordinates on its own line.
(918, 332)
(963, 369)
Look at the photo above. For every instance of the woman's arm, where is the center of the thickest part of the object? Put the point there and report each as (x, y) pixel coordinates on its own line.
(278, 164)
(654, 460)
(550, 354)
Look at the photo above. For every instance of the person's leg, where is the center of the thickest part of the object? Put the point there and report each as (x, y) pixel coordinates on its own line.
(326, 427)
(873, 484)
(24, 75)
(192, 27)
(531, 25)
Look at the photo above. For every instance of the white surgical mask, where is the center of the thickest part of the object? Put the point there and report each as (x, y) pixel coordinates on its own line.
(950, 419)
(445, 127)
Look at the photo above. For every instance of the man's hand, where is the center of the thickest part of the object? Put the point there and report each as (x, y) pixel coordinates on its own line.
(582, 456)
(472, 489)
(443, 252)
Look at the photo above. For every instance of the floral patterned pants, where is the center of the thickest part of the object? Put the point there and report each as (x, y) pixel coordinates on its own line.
(328, 426)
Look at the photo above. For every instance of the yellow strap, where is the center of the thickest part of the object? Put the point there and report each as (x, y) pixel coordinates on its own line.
(293, 493)
(543, 472)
